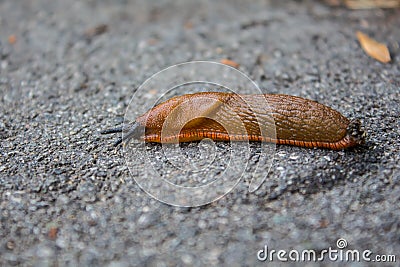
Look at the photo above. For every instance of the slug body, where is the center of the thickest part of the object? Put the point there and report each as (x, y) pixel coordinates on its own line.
(281, 119)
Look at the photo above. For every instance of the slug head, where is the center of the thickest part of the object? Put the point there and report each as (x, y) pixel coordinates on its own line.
(356, 133)
(131, 131)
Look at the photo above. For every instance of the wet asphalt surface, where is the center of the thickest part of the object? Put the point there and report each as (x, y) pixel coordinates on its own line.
(67, 197)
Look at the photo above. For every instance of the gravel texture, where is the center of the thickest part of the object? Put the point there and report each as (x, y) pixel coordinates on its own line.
(66, 195)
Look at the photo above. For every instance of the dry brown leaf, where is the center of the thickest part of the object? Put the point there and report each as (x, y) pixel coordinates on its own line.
(229, 63)
(52, 234)
(98, 30)
(364, 4)
(373, 48)
(188, 25)
(12, 39)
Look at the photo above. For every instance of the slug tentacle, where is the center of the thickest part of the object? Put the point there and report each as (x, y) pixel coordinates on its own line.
(131, 131)
(112, 130)
(231, 117)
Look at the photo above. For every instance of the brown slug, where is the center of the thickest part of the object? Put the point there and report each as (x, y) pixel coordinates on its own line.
(297, 121)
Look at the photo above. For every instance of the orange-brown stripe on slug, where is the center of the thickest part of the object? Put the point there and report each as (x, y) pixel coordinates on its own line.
(298, 121)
